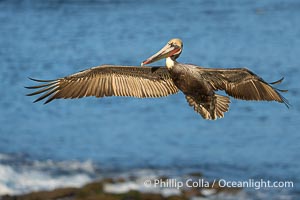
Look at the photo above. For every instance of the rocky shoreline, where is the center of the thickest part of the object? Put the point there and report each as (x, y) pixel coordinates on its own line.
(98, 190)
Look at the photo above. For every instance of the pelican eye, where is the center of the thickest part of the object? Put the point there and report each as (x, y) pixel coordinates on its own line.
(173, 45)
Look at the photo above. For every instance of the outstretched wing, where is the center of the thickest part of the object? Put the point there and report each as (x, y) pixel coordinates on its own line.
(108, 80)
(241, 83)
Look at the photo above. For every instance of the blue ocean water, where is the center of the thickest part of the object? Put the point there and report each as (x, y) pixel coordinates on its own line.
(51, 39)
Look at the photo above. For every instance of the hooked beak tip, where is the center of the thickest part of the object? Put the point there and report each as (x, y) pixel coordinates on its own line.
(145, 62)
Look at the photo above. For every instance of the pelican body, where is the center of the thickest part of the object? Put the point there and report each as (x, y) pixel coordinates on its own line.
(197, 83)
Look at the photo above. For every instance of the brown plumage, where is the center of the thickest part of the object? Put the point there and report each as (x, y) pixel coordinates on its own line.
(197, 83)
(241, 83)
(109, 80)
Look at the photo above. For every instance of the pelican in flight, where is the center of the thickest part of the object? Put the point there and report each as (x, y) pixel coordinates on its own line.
(198, 84)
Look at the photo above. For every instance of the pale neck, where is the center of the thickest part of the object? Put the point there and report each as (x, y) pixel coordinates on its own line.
(170, 62)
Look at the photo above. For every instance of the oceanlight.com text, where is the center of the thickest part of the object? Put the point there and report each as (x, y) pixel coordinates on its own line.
(256, 184)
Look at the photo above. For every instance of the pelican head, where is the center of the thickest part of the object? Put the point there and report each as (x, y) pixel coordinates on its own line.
(171, 51)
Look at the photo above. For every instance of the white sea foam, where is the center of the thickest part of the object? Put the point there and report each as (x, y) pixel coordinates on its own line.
(4, 157)
(208, 192)
(18, 180)
(86, 166)
(139, 185)
(119, 188)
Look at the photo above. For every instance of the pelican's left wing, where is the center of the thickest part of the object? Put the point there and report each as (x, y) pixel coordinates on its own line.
(241, 83)
(108, 80)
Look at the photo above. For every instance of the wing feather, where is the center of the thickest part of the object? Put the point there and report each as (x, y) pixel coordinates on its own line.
(108, 80)
(241, 83)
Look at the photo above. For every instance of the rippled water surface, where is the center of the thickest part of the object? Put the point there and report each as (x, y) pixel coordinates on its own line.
(51, 39)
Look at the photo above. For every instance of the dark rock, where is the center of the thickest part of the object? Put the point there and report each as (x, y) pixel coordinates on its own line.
(195, 174)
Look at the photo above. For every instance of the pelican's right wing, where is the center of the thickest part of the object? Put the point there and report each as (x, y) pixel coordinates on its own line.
(241, 83)
(109, 80)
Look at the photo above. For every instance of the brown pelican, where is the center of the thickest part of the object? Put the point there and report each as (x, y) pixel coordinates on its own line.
(198, 84)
